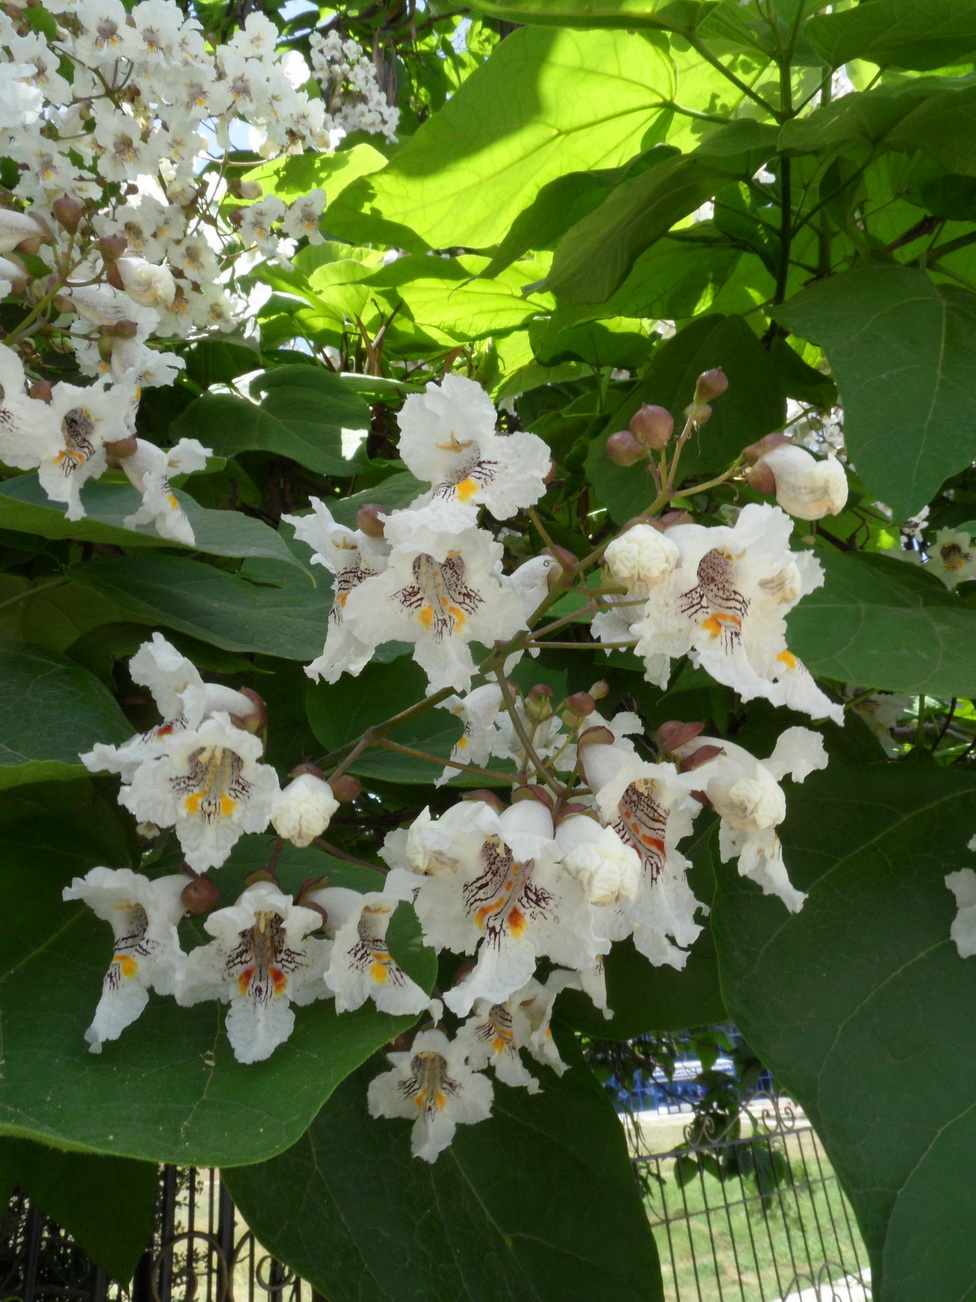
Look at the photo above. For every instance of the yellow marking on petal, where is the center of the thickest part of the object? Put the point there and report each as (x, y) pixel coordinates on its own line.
(379, 972)
(127, 964)
(227, 806)
(516, 922)
(244, 980)
(426, 616)
(487, 910)
(278, 980)
(462, 743)
(171, 498)
(441, 1101)
(460, 619)
(466, 488)
(788, 659)
(192, 803)
(498, 1044)
(421, 1099)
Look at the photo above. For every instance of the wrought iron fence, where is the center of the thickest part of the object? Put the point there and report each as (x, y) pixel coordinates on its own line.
(755, 1214)
(200, 1251)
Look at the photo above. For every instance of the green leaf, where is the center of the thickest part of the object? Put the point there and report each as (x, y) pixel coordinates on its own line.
(280, 613)
(902, 350)
(628, 14)
(595, 256)
(25, 506)
(918, 34)
(752, 406)
(169, 1090)
(290, 177)
(537, 1203)
(340, 713)
(883, 623)
(105, 1203)
(308, 414)
(51, 709)
(545, 103)
(851, 1000)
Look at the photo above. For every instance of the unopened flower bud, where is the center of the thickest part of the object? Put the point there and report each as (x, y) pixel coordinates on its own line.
(711, 384)
(805, 487)
(699, 757)
(122, 330)
(303, 810)
(577, 707)
(624, 450)
(370, 519)
(652, 426)
(68, 213)
(254, 720)
(403, 1042)
(111, 247)
(567, 563)
(261, 875)
(532, 791)
(600, 689)
(199, 895)
(671, 518)
(42, 390)
(236, 216)
(120, 449)
(761, 479)
(537, 702)
(346, 788)
(669, 736)
(486, 797)
(699, 412)
(640, 558)
(756, 450)
(22, 232)
(550, 474)
(598, 736)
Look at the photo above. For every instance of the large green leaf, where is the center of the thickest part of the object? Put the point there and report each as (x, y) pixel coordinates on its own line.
(290, 176)
(879, 622)
(105, 1203)
(918, 34)
(26, 507)
(538, 1203)
(752, 406)
(265, 608)
(629, 14)
(860, 1003)
(307, 414)
(902, 350)
(545, 103)
(596, 255)
(169, 1090)
(50, 710)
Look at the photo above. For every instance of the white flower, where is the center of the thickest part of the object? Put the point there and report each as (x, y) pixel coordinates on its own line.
(641, 558)
(147, 283)
(209, 785)
(147, 955)
(302, 811)
(87, 419)
(361, 966)
(261, 961)
(477, 712)
(433, 1086)
(963, 930)
(952, 556)
(805, 487)
(448, 439)
(29, 431)
(18, 226)
(149, 469)
(491, 1038)
(608, 870)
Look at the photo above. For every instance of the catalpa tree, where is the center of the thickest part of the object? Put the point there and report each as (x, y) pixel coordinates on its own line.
(566, 630)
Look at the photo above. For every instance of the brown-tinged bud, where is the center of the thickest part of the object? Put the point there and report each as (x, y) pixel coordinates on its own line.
(699, 757)
(199, 895)
(652, 426)
(105, 345)
(532, 791)
(113, 276)
(261, 875)
(537, 704)
(671, 518)
(311, 884)
(255, 719)
(111, 247)
(575, 809)
(42, 390)
(306, 766)
(598, 736)
(711, 384)
(122, 330)
(600, 689)
(236, 216)
(371, 518)
(624, 450)
(761, 478)
(567, 559)
(699, 412)
(674, 733)
(68, 213)
(577, 707)
(755, 451)
(346, 788)
(486, 797)
(120, 449)
(316, 908)
(550, 474)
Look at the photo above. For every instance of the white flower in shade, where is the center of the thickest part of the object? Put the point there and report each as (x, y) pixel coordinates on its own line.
(952, 556)
(303, 216)
(448, 439)
(145, 282)
(608, 870)
(29, 431)
(963, 930)
(746, 794)
(303, 810)
(209, 786)
(805, 487)
(149, 469)
(15, 227)
(477, 712)
(436, 847)
(147, 956)
(725, 604)
(261, 961)
(87, 419)
(491, 1040)
(432, 1085)
(650, 808)
(880, 711)
(440, 590)
(353, 557)
(361, 966)
(183, 699)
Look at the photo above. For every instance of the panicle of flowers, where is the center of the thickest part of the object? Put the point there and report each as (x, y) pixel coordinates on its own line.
(349, 86)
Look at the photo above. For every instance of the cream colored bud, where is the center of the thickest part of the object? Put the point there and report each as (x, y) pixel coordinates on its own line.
(805, 487)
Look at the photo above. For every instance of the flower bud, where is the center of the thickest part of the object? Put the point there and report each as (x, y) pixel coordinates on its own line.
(761, 479)
(624, 450)
(199, 895)
(486, 797)
(22, 232)
(757, 450)
(257, 718)
(346, 788)
(598, 736)
(120, 449)
(42, 390)
(303, 810)
(68, 213)
(699, 412)
(805, 487)
(699, 757)
(652, 426)
(533, 791)
(567, 563)
(711, 384)
(674, 733)
(122, 330)
(600, 689)
(145, 282)
(111, 247)
(537, 702)
(671, 518)
(261, 875)
(370, 519)
(640, 558)
(577, 707)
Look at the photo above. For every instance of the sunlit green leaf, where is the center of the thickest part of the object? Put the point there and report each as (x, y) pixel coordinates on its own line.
(919, 34)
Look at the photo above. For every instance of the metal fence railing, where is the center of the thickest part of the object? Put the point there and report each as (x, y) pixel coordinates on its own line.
(754, 1215)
